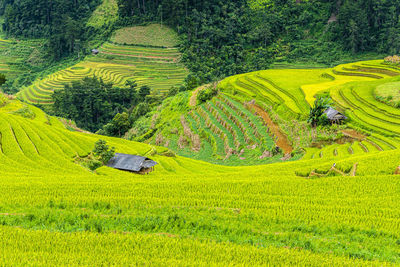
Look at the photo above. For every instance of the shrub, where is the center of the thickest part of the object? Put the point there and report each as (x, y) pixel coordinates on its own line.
(25, 112)
(93, 164)
(3, 100)
(317, 116)
(2, 79)
(323, 120)
(206, 94)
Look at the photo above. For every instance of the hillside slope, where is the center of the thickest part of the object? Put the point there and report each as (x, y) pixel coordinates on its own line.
(184, 205)
(255, 112)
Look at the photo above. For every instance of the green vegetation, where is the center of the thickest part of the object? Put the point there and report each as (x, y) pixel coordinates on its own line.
(98, 157)
(389, 93)
(61, 24)
(206, 94)
(317, 116)
(19, 60)
(223, 38)
(221, 131)
(103, 152)
(282, 217)
(2, 79)
(105, 15)
(249, 171)
(218, 130)
(91, 103)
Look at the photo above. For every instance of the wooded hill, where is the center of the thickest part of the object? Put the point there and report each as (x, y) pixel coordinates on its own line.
(222, 38)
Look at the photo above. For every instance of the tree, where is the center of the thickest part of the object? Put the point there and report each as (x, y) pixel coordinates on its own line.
(144, 91)
(2, 79)
(103, 152)
(119, 125)
(317, 111)
(160, 12)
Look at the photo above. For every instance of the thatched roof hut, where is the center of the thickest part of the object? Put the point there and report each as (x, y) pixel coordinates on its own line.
(132, 163)
(334, 116)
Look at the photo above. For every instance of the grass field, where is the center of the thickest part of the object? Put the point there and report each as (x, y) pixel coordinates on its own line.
(389, 92)
(158, 68)
(187, 211)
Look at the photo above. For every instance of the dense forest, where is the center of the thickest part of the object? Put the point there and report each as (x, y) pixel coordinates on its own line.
(62, 23)
(221, 38)
(91, 103)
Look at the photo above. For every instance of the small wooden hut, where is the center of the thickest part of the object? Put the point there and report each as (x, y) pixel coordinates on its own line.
(95, 51)
(132, 163)
(335, 116)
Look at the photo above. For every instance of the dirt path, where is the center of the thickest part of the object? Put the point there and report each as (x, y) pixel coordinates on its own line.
(282, 141)
(354, 134)
(193, 98)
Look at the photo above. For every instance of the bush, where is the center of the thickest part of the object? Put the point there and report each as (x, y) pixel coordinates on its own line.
(323, 120)
(3, 100)
(317, 114)
(94, 164)
(206, 94)
(2, 79)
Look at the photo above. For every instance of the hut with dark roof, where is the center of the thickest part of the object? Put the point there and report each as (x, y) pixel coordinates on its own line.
(335, 116)
(132, 163)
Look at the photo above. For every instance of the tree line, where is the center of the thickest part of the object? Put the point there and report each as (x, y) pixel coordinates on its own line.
(221, 38)
(95, 105)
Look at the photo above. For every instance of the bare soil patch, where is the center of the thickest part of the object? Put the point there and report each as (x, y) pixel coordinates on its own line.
(282, 141)
(354, 134)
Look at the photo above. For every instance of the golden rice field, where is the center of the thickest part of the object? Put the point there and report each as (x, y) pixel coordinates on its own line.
(189, 212)
(352, 88)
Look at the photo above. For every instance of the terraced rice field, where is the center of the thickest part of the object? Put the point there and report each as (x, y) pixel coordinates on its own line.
(222, 130)
(352, 88)
(218, 131)
(352, 72)
(10, 55)
(277, 88)
(228, 215)
(158, 68)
